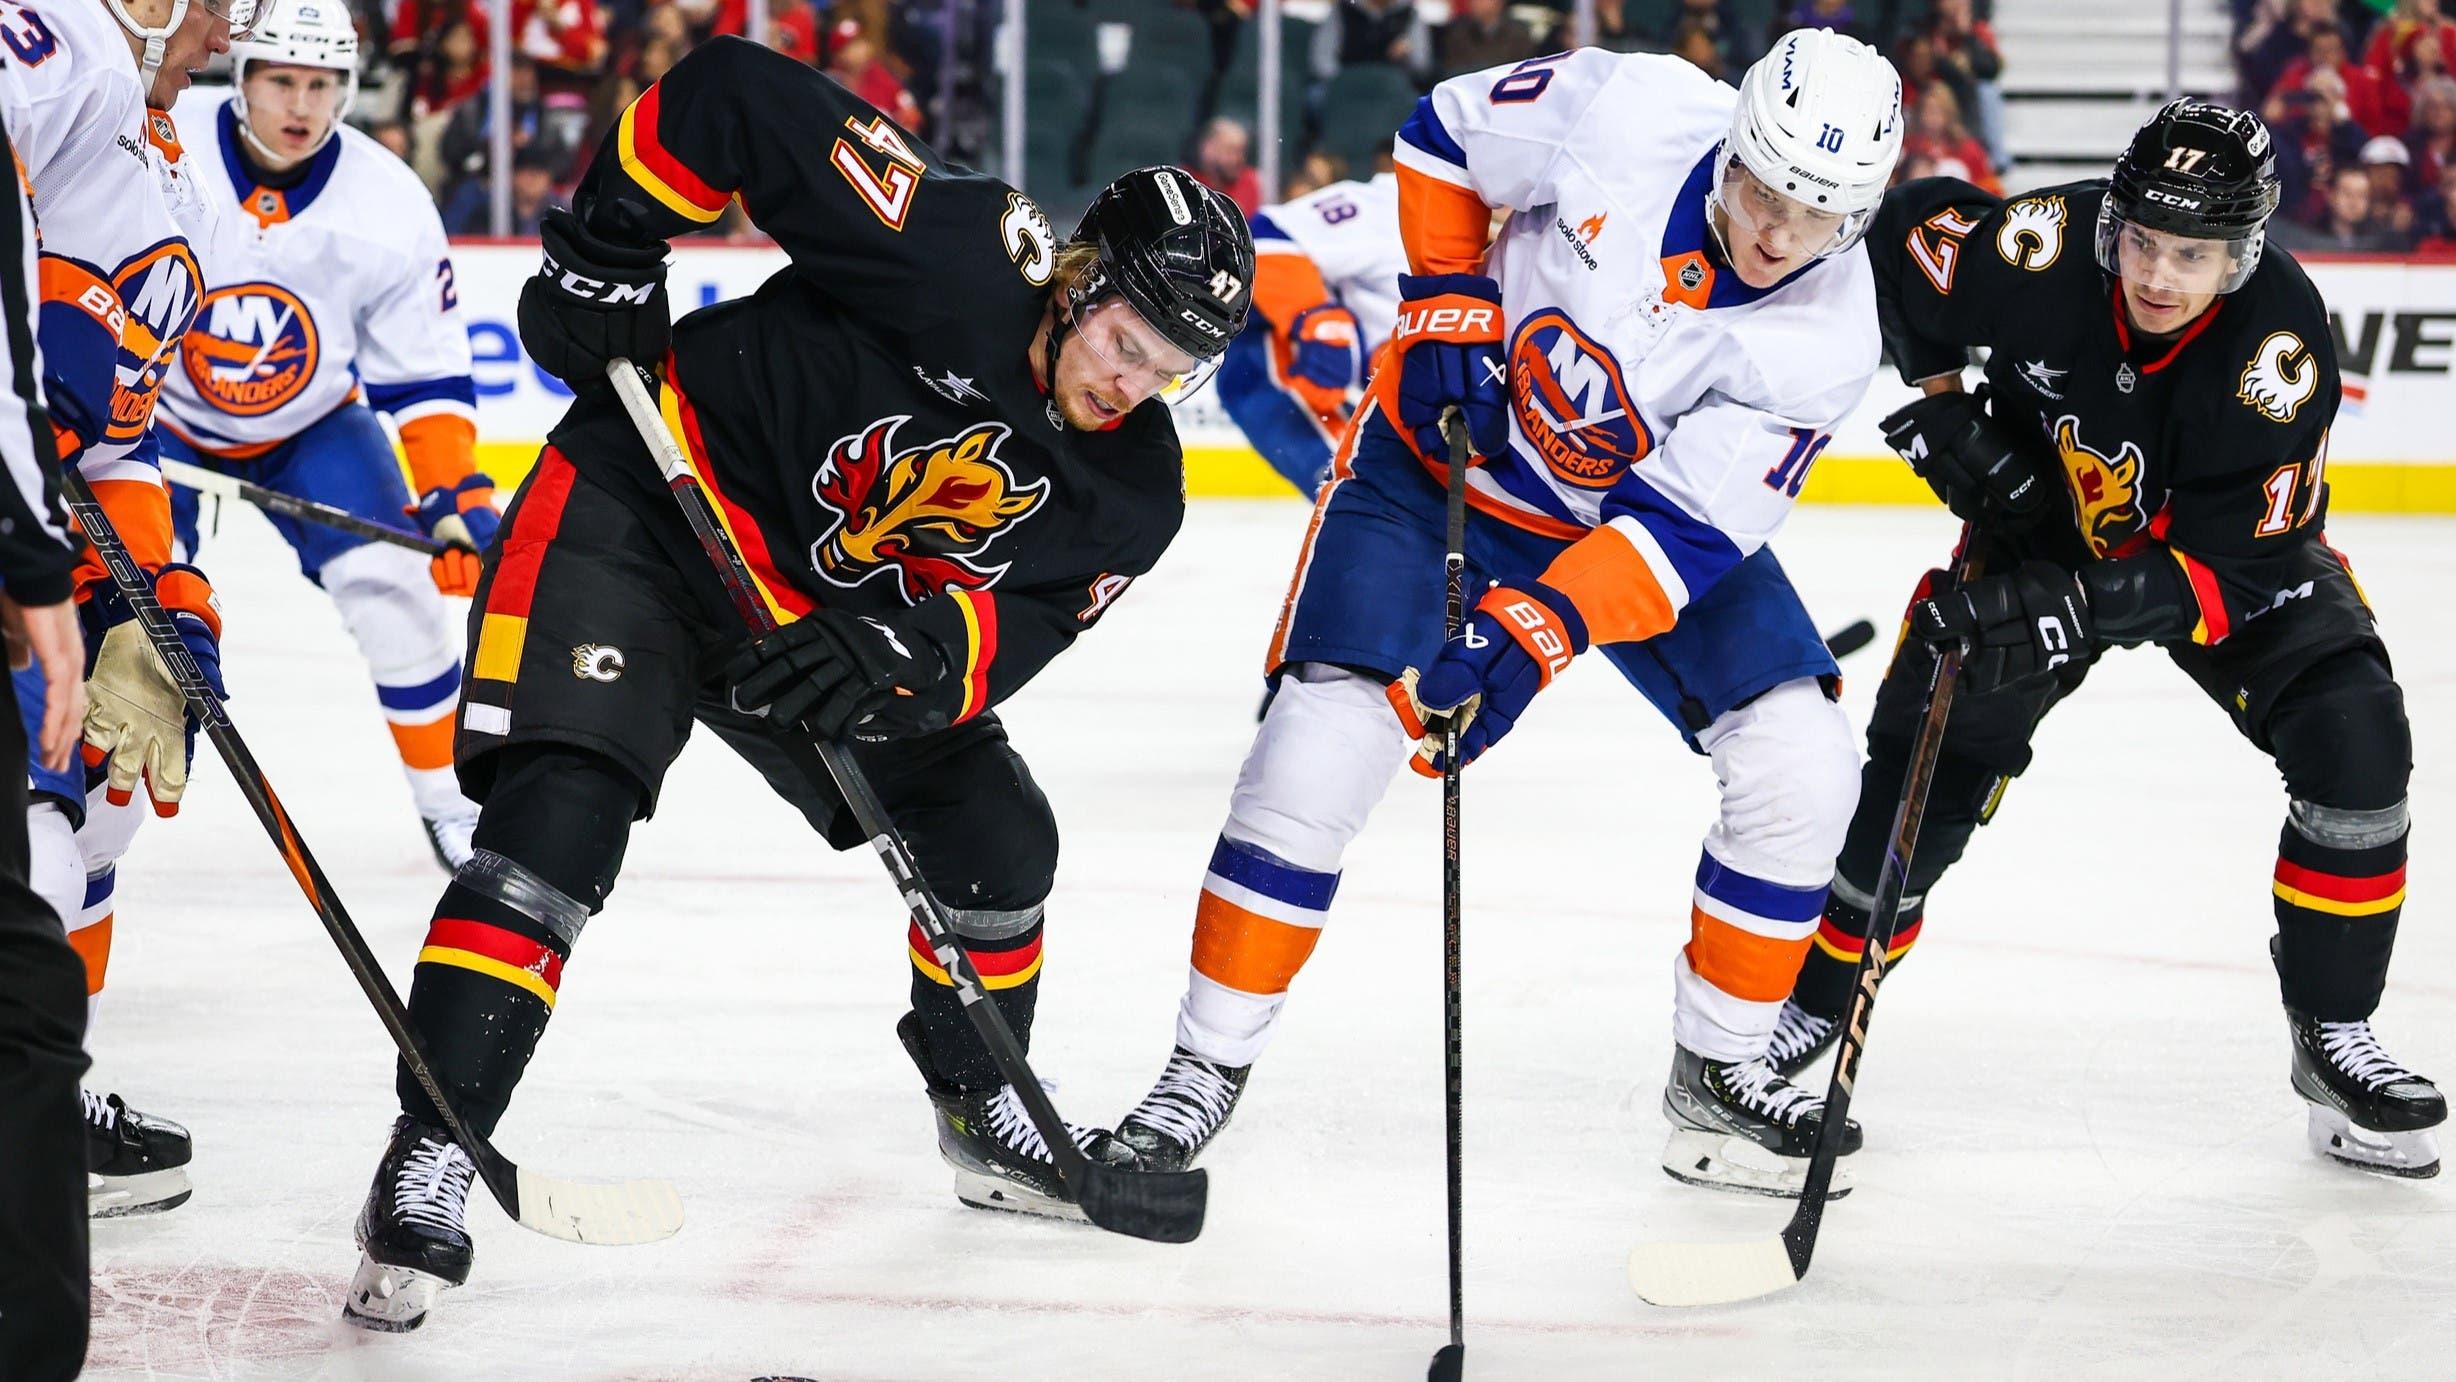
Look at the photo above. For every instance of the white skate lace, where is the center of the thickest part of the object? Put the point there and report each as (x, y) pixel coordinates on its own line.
(100, 1112)
(431, 1189)
(1762, 1090)
(1796, 1033)
(2352, 1049)
(1011, 1124)
(1189, 1103)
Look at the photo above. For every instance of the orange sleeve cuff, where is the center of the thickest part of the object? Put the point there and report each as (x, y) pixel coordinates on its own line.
(442, 450)
(1445, 227)
(188, 590)
(140, 512)
(1286, 284)
(1607, 578)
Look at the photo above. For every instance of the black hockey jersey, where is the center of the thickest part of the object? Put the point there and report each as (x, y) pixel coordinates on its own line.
(867, 422)
(2206, 451)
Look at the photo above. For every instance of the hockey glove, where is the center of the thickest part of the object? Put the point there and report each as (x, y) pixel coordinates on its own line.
(1324, 357)
(2020, 628)
(462, 516)
(1447, 345)
(1514, 643)
(1969, 460)
(591, 301)
(841, 677)
(136, 723)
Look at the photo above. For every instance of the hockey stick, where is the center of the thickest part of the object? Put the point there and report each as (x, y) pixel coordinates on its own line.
(1850, 638)
(1720, 1273)
(632, 1211)
(1450, 1361)
(1163, 1206)
(214, 482)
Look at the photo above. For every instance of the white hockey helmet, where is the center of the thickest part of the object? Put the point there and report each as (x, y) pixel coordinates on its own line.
(1819, 121)
(239, 14)
(298, 33)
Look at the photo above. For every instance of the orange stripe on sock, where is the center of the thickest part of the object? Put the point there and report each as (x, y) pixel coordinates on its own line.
(1247, 951)
(428, 745)
(93, 945)
(1741, 963)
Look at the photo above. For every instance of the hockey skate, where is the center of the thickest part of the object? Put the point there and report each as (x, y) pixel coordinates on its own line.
(412, 1235)
(2367, 1111)
(1739, 1125)
(1801, 1039)
(999, 1158)
(1183, 1112)
(134, 1163)
(449, 836)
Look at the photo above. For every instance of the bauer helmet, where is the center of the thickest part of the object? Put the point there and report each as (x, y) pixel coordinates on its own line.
(1179, 253)
(298, 33)
(2198, 171)
(1819, 121)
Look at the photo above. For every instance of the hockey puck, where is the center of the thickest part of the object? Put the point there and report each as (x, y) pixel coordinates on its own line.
(1850, 638)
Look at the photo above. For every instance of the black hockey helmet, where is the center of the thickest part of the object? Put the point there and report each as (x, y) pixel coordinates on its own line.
(1175, 249)
(2197, 170)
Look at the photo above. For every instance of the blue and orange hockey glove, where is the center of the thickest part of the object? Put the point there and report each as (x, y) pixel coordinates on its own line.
(463, 517)
(1448, 347)
(1513, 644)
(1325, 354)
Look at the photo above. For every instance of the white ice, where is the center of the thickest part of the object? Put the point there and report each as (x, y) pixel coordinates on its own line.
(2082, 1159)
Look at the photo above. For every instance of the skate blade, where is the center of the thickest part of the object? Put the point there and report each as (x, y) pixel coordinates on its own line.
(1723, 1161)
(982, 1190)
(2409, 1155)
(391, 1300)
(152, 1192)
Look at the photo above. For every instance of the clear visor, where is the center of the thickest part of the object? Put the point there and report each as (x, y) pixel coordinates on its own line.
(1780, 225)
(1139, 359)
(2163, 262)
(240, 15)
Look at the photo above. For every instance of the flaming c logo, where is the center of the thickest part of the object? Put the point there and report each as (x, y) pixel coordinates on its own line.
(2105, 489)
(253, 348)
(927, 514)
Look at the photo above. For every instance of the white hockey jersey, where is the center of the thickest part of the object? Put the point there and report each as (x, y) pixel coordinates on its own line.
(336, 286)
(1650, 393)
(1349, 231)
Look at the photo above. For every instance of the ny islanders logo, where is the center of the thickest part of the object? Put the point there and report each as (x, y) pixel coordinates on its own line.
(2105, 489)
(1571, 403)
(252, 350)
(928, 514)
(158, 289)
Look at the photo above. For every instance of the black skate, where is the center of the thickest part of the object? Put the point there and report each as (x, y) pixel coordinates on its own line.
(1801, 1039)
(2367, 1111)
(411, 1233)
(1183, 1112)
(134, 1163)
(1739, 1125)
(999, 1158)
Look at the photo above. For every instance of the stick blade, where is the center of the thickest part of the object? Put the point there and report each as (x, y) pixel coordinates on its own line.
(1160, 1206)
(609, 1213)
(1684, 1274)
(1449, 1364)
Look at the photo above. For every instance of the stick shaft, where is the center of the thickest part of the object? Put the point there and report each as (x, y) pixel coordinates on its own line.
(1454, 618)
(197, 477)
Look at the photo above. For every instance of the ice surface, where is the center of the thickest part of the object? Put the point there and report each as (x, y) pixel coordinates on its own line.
(2082, 1156)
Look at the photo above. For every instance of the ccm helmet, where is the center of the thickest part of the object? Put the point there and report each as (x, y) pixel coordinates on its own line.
(1176, 250)
(1820, 121)
(298, 33)
(2200, 171)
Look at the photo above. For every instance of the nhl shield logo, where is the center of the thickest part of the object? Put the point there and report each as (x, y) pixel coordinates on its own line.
(1691, 275)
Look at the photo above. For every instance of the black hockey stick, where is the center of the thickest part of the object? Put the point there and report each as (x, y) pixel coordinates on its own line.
(1163, 1206)
(197, 477)
(1850, 638)
(1450, 1361)
(1720, 1273)
(633, 1211)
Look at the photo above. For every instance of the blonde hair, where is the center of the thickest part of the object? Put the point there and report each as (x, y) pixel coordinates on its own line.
(1075, 258)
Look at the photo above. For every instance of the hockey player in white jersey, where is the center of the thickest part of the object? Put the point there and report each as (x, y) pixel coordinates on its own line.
(331, 300)
(1326, 283)
(1673, 319)
(86, 88)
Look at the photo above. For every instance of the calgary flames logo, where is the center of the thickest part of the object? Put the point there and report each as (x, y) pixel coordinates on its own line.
(2281, 377)
(2105, 489)
(252, 350)
(926, 514)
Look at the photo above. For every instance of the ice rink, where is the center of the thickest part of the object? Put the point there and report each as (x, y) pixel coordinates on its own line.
(2082, 1159)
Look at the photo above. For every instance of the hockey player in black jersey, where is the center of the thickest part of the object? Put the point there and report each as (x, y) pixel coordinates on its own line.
(2146, 464)
(938, 441)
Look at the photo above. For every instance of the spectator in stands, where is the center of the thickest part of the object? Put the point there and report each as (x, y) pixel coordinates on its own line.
(793, 29)
(446, 67)
(2279, 32)
(2388, 165)
(1967, 61)
(1937, 134)
(1316, 170)
(1720, 24)
(1484, 34)
(1223, 162)
(1914, 59)
(2432, 139)
(856, 65)
(393, 135)
(1694, 40)
(1223, 22)
(1841, 16)
(2437, 219)
(1364, 33)
(469, 136)
(2314, 140)
(2351, 227)
(564, 37)
(1560, 31)
(2390, 52)
(2373, 102)
(471, 210)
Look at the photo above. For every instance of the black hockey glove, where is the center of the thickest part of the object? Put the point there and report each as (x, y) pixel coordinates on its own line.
(2020, 628)
(841, 677)
(591, 301)
(1970, 462)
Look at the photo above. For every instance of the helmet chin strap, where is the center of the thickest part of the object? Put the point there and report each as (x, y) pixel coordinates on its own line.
(157, 40)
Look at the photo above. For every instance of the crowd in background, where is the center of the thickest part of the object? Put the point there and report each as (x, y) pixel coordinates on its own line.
(2360, 98)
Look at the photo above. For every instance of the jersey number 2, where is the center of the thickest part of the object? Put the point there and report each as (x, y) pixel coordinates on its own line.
(888, 193)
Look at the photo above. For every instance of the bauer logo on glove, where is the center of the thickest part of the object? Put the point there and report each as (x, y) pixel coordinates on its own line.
(1516, 641)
